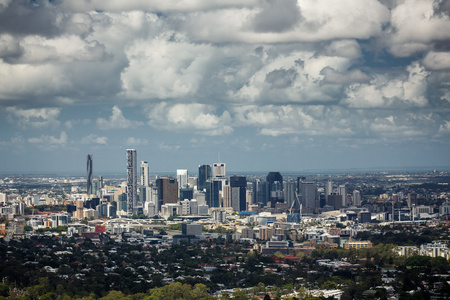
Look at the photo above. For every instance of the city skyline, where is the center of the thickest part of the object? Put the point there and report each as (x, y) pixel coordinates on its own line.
(282, 86)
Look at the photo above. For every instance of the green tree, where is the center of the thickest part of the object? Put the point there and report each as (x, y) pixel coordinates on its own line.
(239, 295)
(113, 295)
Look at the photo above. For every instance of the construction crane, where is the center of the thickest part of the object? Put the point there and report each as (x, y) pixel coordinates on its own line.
(292, 217)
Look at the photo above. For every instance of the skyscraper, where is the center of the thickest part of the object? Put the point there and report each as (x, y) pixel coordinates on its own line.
(329, 187)
(144, 173)
(260, 192)
(219, 171)
(275, 188)
(308, 191)
(343, 193)
(289, 190)
(131, 181)
(226, 196)
(356, 198)
(167, 190)
(204, 174)
(238, 192)
(89, 175)
(212, 193)
(182, 178)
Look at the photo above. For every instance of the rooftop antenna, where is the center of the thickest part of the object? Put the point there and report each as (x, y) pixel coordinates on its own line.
(218, 156)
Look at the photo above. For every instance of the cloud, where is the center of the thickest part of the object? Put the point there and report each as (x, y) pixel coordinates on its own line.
(67, 48)
(195, 117)
(35, 117)
(414, 25)
(165, 147)
(243, 70)
(332, 76)
(405, 90)
(136, 141)
(277, 16)
(117, 121)
(343, 48)
(445, 128)
(23, 81)
(289, 119)
(406, 126)
(437, 60)
(163, 69)
(94, 139)
(318, 21)
(292, 78)
(49, 142)
(279, 79)
(154, 5)
(15, 142)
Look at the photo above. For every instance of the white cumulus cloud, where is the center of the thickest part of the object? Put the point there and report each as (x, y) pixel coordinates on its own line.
(34, 117)
(49, 142)
(94, 139)
(195, 117)
(117, 121)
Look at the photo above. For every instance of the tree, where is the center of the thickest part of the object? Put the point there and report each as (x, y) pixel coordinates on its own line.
(113, 295)
(239, 295)
(278, 254)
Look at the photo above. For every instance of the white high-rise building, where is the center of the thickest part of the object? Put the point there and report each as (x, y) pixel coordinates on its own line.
(145, 180)
(343, 193)
(182, 178)
(131, 181)
(356, 198)
(194, 207)
(3, 198)
(329, 187)
(185, 207)
(219, 171)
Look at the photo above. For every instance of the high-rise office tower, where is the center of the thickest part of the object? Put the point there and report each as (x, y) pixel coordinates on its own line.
(144, 174)
(412, 199)
(249, 197)
(329, 187)
(219, 171)
(204, 174)
(212, 195)
(356, 198)
(131, 181)
(343, 193)
(289, 190)
(89, 175)
(308, 191)
(226, 196)
(182, 178)
(275, 188)
(186, 193)
(260, 192)
(100, 182)
(238, 192)
(167, 190)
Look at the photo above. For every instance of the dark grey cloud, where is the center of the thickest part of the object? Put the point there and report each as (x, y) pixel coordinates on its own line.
(280, 79)
(442, 7)
(22, 17)
(41, 17)
(352, 76)
(277, 16)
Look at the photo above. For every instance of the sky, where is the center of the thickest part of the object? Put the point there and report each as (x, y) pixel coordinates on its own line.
(280, 85)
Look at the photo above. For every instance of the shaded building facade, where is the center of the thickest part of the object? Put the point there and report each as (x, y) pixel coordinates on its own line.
(238, 186)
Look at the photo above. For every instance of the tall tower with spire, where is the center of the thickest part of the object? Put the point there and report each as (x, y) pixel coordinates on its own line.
(89, 175)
